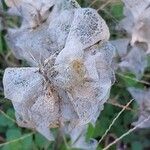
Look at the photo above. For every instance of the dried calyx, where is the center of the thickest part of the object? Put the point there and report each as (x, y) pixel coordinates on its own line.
(130, 59)
(71, 73)
(142, 98)
(137, 21)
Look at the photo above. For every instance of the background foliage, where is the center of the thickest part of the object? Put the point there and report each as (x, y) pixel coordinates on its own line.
(13, 137)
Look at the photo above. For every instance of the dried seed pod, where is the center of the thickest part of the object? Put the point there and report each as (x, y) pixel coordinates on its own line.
(75, 74)
(31, 90)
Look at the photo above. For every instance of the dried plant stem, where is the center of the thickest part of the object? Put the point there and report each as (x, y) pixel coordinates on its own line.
(104, 5)
(59, 140)
(66, 144)
(93, 3)
(127, 133)
(111, 16)
(107, 140)
(146, 75)
(120, 106)
(114, 120)
(106, 2)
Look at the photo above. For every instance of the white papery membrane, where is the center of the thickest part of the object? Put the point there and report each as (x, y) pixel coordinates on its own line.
(130, 59)
(132, 51)
(137, 21)
(71, 70)
(142, 96)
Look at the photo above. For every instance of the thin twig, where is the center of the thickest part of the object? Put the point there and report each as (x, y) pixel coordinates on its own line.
(119, 105)
(58, 140)
(146, 75)
(66, 144)
(107, 140)
(109, 14)
(93, 3)
(128, 77)
(114, 120)
(127, 133)
(16, 140)
(104, 5)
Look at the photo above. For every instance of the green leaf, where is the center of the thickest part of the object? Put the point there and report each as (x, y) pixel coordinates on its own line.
(127, 118)
(130, 80)
(90, 131)
(10, 112)
(1, 43)
(117, 11)
(137, 146)
(13, 146)
(101, 126)
(99, 148)
(27, 143)
(5, 122)
(12, 134)
(40, 141)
